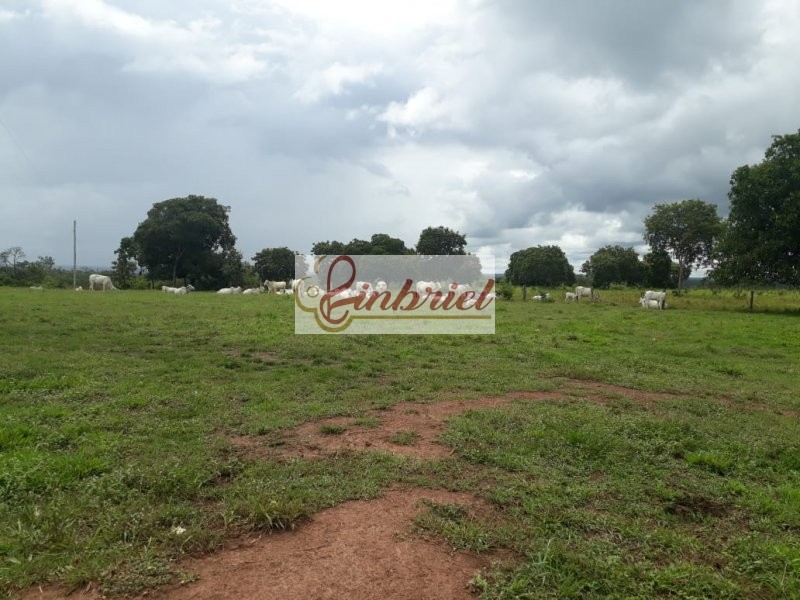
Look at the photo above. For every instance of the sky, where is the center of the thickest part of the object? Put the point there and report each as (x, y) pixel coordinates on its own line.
(517, 123)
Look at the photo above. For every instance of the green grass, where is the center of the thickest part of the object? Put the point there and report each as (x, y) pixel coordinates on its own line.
(116, 412)
(404, 438)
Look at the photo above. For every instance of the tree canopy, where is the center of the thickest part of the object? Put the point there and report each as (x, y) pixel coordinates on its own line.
(379, 243)
(441, 241)
(614, 264)
(185, 237)
(540, 265)
(761, 241)
(277, 264)
(124, 266)
(688, 229)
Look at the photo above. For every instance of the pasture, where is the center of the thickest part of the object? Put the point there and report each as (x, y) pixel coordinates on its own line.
(122, 417)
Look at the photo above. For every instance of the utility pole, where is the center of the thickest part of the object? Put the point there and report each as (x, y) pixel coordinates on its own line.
(74, 254)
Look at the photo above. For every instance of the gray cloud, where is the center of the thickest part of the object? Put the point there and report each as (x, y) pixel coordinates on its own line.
(516, 122)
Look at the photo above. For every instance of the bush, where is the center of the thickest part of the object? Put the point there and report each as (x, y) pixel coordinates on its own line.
(505, 290)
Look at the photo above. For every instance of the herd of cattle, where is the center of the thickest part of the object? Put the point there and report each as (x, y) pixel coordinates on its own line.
(649, 299)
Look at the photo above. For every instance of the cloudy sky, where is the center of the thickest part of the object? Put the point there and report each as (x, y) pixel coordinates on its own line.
(516, 122)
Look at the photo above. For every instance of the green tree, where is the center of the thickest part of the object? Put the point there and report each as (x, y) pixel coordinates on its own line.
(761, 241)
(277, 264)
(327, 248)
(687, 229)
(382, 243)
(12, 257)
(124, 267)
(46, 263)
(614, 264)
(183, 237)
(441, 241)
(540, 265)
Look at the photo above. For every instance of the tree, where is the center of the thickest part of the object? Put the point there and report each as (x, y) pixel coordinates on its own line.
(45, 263)
(327, 248)
(277, 264)
(183, 236)
(760, 244)
(441, 241)
(542, 265)
(380, 243)
(11, 257)
(660, 271)
(124, 267)
(688, 229)
(385, 244)
(614, 264)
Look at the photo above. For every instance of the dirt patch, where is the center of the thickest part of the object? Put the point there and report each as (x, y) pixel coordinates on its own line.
(407, 428)
(411, 429)
(361, 549)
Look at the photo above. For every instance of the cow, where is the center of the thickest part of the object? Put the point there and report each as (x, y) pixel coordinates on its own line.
(104, 281)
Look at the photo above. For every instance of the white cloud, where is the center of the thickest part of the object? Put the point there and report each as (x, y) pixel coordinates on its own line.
(333, 80)
(424, 109)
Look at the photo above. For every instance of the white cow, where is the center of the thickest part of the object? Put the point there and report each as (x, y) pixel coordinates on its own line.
(585, 291)
(36, 287)
(253, 291)
(294, 284)
(661, 297)
(79, 288)
(428, 287)
(541, 298)
(650, 303)
(230, 290)
(276, 287)
(569, 296)
(104, 281)
(182, 291)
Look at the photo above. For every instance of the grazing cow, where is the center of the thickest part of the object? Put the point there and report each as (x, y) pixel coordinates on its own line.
(585, 291)
(428, 287)
(104, 281)
(569, 296)
(661, 297)
(276, 287)
(650, 303)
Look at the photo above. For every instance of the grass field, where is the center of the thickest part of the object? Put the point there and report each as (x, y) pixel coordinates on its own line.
(116, 412)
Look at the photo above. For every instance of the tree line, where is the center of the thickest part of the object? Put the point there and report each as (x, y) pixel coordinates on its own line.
(190, 239)
(757, 245)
